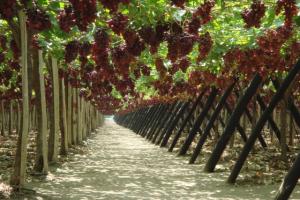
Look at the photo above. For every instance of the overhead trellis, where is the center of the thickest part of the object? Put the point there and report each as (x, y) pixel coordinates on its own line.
(124, 52)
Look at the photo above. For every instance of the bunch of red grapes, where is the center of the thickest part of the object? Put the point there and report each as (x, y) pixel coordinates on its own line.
(15, 49)
(160, 67)
(205, 45)
(84, 50)
(85, 12)
(14, 65)
(107, 73)
(8, 9)
(232, 59)
(273, 39)
(201, 77)
(290, 10)
(179, 88)
(137, 73)
(118, 23)
(180, 45)
(271, 43)
(3, 41)
(66, 19)
(184, 63)
(162, 87)
(201, 16)
(181, 64)
(293, 53)
(38, 20)
(194, 25)
(100, 48)
(252, 17)
(2, 57)
(264, 59)
(204, 11)
(145, 70)
(71, 51)
(113, 5)
(154, 36)
(121, 59)
(178, 3)
(134, 44)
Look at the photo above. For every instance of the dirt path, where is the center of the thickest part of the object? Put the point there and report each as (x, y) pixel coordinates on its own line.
(122, 165)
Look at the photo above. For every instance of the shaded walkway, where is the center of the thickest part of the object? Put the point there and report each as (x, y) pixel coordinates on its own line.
(122, 165)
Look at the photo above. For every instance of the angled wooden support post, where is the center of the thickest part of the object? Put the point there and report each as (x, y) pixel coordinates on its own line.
(155, 121)
(136, 121)
(150, 118)
(163, 121)
(261, 122)
(232, 122)
(173, 125)
(188, 117)
(209, 102)
(291, 106)
(142, 119)
(238, 126)
(290, 181)
(211, 122)
(270, 119)
(294, 111)
(156, 118)
(250, 118)
(169, 120)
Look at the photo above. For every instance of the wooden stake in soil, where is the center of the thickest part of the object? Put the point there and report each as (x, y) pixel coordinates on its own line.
(231, 124)
(18, 176)
(54, 133)
(261, 122)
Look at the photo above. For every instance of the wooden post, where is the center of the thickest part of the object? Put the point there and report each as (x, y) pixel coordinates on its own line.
(290, 181)
(187, 118)
(41, 163)
(10, 121)
(79, 125)
(84, 119)
(18, 176)
(63, 118)
(211, 122)
(261, 122)
(69, 113)
(173, 124)
(192, 134)
(54, 133)
(232, 122)
(3, 118)
(74, 113)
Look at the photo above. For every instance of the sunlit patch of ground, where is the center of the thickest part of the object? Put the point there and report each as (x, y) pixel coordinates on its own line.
(118, 164)
(5, 191)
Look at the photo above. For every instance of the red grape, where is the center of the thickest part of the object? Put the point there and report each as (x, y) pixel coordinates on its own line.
(252, 17)
(71, 51)
(38, 20)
